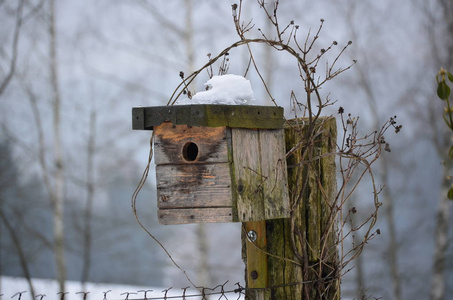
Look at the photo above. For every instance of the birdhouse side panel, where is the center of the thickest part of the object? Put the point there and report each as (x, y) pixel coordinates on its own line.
(247, 174)
(260, 174)
(274, 171)
(183, 144)
(194, 186)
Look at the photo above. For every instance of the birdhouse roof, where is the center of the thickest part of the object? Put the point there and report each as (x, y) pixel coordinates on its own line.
(209, 115)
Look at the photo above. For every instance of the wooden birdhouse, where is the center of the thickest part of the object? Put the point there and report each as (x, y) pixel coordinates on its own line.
(217, 163)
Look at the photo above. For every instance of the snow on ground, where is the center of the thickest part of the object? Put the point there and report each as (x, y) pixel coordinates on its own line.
(225, 89)
(9, 286)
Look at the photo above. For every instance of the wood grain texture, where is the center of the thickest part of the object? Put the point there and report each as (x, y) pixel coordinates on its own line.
(248, 177)
(260, 174)
(240, 168)
(195, 215)
(170, 141)
(193, 185)
(273, 168)
(313, 189)
(209, 115)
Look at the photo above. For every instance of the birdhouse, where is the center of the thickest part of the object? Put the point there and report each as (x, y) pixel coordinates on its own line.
(217, 163)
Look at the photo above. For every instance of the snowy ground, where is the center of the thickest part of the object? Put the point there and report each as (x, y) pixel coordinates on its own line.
(10, 286)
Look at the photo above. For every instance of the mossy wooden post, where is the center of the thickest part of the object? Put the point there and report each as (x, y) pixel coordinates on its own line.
(311, 228)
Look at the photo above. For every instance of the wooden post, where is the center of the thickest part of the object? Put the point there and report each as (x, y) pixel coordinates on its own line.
(302, 257)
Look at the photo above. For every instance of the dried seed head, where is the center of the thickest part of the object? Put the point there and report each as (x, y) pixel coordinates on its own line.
(181, 74)
(335, 43)
(350, 42)
(234, 8)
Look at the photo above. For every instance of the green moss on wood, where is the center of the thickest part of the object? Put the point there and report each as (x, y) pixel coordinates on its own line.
(311, 219)
(210, 115)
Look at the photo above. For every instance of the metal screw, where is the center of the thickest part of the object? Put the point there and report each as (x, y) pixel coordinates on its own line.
(252, 236)
(254, 275)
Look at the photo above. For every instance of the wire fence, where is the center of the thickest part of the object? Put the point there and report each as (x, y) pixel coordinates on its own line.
(218, 292)
(221, 291)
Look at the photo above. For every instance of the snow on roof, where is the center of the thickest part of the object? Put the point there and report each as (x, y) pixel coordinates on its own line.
(225, 89)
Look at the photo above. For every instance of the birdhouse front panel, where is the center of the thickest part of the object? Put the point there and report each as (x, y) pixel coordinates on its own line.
(193, 174)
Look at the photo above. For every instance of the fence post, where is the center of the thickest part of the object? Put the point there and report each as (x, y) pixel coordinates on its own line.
(302, 255)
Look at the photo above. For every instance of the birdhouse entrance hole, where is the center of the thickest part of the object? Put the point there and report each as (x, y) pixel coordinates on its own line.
(190, 151)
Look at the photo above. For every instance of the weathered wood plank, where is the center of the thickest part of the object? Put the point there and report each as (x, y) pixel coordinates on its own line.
(328, 193)
(248, 177)
(210, 115)
(193, 185)
(260, 174)
(257, 275)
(195, 215)
(170, 140)
(273, 168)
(321, 183)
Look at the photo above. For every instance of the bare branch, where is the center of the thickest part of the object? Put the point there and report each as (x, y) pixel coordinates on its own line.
(13, 62)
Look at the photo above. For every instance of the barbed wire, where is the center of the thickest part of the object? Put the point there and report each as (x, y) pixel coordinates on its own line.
(203, 293)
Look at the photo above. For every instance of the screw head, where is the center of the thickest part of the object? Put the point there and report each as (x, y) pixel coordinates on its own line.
(254, 275)
(252, 236)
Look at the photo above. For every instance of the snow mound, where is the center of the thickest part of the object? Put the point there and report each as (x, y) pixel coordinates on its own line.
(225, 89)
